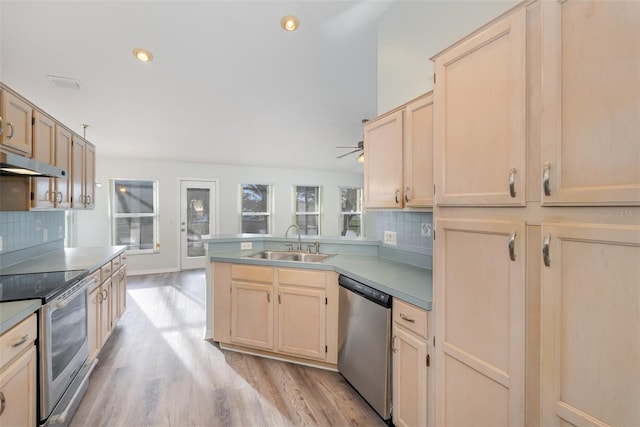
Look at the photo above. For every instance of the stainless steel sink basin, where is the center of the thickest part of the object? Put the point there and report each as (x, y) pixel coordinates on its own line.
(289, 256)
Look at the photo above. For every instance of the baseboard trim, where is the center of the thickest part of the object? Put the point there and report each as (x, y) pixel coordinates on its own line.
(158, 271)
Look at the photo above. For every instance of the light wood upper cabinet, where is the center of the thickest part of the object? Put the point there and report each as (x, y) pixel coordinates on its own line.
(590, 310)
(15, 125)
(418, 153)
(479, 277)
(480, 117)
(383, 161)
(62, 186)
(591, 100)
(398, 149)
(44, 150)
(83, 163)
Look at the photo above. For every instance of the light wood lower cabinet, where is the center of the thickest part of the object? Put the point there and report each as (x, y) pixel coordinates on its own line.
(18, 374)
(411, 361)
(107, 303)
(590, 311)
(289, 313)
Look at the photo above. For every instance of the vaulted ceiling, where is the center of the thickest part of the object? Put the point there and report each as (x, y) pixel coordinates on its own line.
(227, 85)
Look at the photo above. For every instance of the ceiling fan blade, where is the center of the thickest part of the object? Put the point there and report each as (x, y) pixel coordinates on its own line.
(342, 146)
(346, 154)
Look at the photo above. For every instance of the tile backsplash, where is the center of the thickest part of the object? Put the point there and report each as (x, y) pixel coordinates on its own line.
(408, 229)
(23, 230)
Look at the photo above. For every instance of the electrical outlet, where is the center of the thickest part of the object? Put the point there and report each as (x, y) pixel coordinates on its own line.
(390, 238)
(426, 229)
(60, 232)
(38, 224)
(246, 246)
(45, 235)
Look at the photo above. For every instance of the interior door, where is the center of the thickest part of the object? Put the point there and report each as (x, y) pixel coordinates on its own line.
(197, 213)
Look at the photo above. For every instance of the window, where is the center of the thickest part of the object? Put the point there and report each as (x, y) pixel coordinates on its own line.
(256, 208)
(134, 215)
(351, 211)
(307, 209)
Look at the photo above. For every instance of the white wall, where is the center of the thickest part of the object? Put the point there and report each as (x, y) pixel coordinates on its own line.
(93, 226)
(410, 32)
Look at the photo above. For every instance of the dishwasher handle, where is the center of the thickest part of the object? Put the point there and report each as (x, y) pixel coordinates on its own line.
(365, 291)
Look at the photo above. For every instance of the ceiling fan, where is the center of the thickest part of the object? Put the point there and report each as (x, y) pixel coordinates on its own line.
(358, 148)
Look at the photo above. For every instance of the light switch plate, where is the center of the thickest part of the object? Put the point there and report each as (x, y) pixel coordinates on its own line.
(426, 229)
(390, 238)
(1, 244)
(246, 246)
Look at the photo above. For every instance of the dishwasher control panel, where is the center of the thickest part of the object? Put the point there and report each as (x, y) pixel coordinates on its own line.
(368, 292)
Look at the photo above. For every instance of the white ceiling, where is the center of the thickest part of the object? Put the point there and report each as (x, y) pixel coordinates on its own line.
(227, 84)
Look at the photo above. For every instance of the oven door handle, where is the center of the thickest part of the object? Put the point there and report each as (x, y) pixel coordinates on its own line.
(61, 418)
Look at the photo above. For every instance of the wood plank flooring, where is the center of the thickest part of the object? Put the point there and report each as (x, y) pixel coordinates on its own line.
(157, 370)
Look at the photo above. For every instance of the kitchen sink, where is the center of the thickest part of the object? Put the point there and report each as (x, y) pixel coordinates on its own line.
(289, 256)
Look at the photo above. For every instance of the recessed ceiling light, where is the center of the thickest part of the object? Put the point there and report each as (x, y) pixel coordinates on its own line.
(290, 23)
(142, 55)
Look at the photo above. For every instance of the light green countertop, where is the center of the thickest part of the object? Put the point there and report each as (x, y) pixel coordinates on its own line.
(12, 313)
(406, 282)
(67, 259)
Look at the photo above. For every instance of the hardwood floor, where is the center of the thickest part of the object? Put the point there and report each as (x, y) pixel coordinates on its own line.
(157, 370)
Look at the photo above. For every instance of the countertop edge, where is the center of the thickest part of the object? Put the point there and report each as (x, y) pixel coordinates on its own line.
(12, 313)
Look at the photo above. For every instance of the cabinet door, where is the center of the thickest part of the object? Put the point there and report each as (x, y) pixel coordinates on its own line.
(590, 312)
(252, 314)
(480, 118)
(89, 176)
(63, 160)
(409, 379)
(77, 172)
(94, 325)
(591, 142)
(480, 338)
(44, 139)
(18, 391)
(15, 131)
(122, 290)
(383, 162)
(418, 153)
(105, 311)
(114, 293)
(302, 322)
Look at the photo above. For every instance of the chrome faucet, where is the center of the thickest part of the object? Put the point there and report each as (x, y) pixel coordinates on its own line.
(299, 241)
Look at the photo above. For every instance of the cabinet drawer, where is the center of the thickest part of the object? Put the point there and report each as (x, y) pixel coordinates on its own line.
(116, 263)
(16, 339)
(105, 272)
(252, 273)
(410, 317)
(95, 279)
(311, 278)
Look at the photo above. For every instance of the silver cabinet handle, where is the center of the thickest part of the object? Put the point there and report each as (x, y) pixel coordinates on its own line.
(2, 402)
(1, 125)
(60, 199)
(545, 179)
(512, 246)
(88, 200)
(11, 127)
(279, 300)
(512, 182)
(268, 296)
(100, 297)
(21, 341)
(397, 193)
(106, 293)
(406, 195)
(393, 344)
(545, 249)
(406, 319)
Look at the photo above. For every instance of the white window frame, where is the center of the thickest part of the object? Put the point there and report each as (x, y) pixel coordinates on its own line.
(268, 213)
(317, 213)
(341, 213)
(155, 215)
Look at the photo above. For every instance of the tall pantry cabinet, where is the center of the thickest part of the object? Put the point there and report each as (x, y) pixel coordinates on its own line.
(537, 207)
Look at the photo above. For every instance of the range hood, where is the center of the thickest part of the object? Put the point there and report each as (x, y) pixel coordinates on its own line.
(14, 164)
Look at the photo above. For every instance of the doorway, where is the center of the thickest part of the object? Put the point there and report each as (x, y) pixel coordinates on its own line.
(197, 219)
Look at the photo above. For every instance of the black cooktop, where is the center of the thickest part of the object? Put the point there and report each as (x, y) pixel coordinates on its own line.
(44, 286)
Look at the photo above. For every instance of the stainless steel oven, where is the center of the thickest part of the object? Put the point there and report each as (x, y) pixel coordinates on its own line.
(64, 350)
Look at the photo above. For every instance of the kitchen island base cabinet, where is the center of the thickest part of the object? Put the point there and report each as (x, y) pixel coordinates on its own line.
(276, 312)
(411, 360)
(18, 374)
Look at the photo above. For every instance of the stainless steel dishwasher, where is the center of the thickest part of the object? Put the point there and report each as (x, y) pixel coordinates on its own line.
(364, 331)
